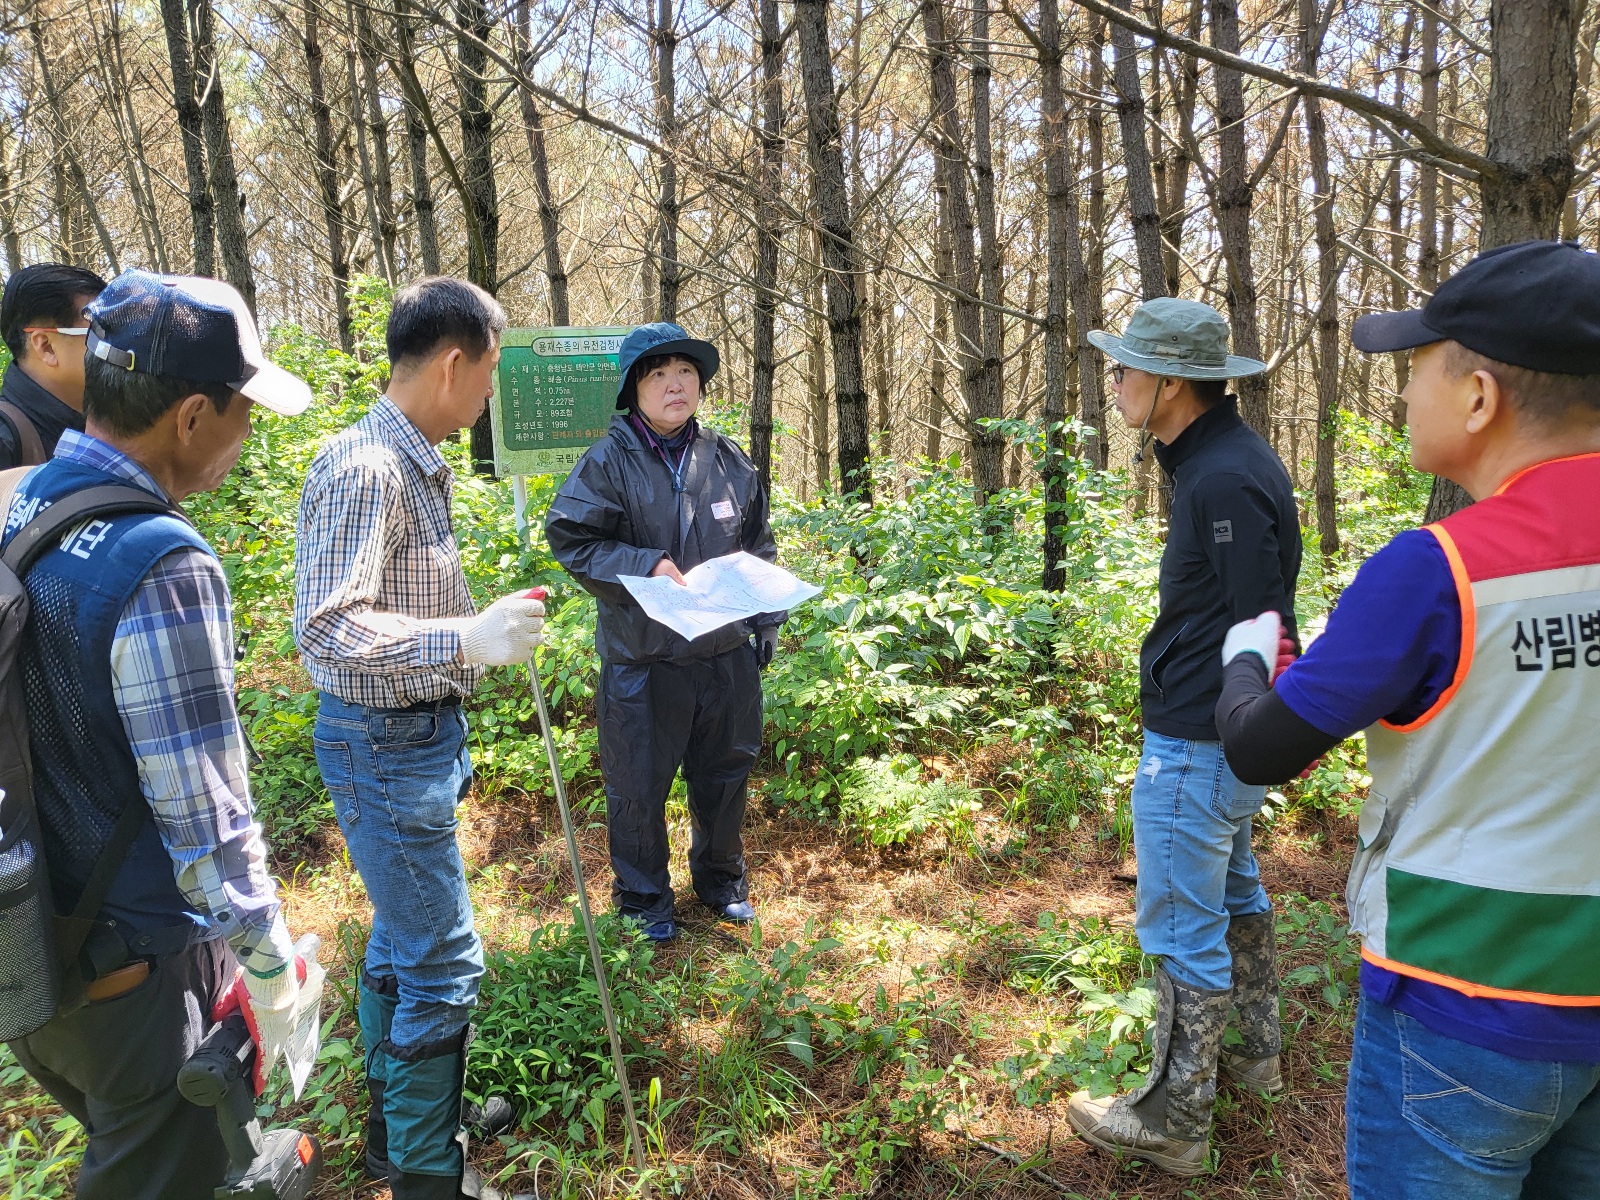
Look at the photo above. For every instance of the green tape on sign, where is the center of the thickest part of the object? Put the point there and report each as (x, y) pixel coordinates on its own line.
(555, 393)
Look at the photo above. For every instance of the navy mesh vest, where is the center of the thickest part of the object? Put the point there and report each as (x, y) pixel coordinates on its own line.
(84, 768)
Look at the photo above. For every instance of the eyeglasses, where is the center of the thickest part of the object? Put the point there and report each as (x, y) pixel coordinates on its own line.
(1117, 370)
(74, 330)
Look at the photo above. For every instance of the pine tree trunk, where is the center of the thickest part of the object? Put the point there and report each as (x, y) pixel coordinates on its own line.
(1532, 80)
(1062, 253)
(766, 296)
(377, 131)
(838, 245)
(555, 266)
(227, 199)
(1233, 200)
(1136, 161)
(480, 195)
(938, 368)
(328, 178)
(1173, 201)
(202, 218)
(666, 39)
(1088, 276)
(422, 202)
(950, 163)
(1327, 295)
(988, 444)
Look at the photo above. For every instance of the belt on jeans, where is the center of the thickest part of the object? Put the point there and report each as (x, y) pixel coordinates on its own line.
(453, 700)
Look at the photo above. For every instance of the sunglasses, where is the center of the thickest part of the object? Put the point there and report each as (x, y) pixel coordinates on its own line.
(74, 330)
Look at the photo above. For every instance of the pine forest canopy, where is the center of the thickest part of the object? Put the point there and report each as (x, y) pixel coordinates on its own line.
(897, 219)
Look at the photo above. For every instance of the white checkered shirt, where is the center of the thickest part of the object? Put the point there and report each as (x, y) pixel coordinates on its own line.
(377, 569)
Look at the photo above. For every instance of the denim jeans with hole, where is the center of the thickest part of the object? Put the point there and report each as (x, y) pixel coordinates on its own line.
(395, 777)
(1430, 1117)
(1191, 833)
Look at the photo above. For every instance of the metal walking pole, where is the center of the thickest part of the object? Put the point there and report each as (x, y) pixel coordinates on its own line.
(570, 830)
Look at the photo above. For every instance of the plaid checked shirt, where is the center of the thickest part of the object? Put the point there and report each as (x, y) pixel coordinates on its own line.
(172, 678)
(379, 589)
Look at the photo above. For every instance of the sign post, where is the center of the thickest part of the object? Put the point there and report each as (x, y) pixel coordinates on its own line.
(554, 395)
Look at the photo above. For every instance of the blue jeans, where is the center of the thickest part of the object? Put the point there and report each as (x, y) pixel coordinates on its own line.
(1429, 1117)
(1191, 832)
(396, 777)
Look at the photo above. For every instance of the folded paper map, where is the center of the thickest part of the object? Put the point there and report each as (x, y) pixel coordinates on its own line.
(717, 593)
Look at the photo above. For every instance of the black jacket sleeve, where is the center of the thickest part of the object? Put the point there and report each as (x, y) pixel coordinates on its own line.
(1264, 741)
(759, 541)
(1237, 525)
(582, 527)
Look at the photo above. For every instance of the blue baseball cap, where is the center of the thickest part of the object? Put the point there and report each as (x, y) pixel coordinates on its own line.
(1534, 305)
(192, 328)
(662, 337)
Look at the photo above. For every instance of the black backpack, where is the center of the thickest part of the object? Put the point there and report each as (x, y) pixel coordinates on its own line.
(39, 947)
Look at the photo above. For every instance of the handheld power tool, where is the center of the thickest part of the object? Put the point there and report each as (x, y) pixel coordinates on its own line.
(280, 1164)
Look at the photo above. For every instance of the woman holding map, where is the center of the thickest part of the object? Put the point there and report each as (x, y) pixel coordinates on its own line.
(657, 496)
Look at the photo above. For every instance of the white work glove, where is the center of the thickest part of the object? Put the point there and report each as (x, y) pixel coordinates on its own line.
(1259, 636)
(504, 633)
(272, 1015)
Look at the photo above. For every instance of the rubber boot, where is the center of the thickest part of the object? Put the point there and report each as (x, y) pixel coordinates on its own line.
(468, 1185)
(424, 1106)
(1166, 1122)
(1253, 1063)
(377, 999)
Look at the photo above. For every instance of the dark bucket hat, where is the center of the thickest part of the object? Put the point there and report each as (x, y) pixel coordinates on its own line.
(662, 337)
(1179, 339)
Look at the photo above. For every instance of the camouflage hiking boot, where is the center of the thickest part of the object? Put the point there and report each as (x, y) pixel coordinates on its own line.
(1111, 1124)
(1167, 1121)
(1253, 1062)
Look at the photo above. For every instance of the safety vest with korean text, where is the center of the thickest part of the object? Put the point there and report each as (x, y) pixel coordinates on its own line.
(1479, 858)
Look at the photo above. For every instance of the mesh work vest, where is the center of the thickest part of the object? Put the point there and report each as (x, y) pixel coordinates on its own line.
(1479, 859)
(84, 768)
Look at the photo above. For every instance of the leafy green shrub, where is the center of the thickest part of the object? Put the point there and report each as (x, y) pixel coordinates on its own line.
(1311, 933)
(1085, 955)
(542, 1041)
(885, 802)
(291, 800)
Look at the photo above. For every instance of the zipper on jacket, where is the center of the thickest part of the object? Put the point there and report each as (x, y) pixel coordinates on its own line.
(1156, 661)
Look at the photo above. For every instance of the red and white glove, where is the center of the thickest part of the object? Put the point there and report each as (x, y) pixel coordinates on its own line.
(268, 1009)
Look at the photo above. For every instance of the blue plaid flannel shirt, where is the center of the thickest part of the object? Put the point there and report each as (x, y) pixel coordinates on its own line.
(172, 676)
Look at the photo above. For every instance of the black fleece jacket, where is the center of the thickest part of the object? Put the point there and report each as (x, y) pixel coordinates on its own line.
(1233, 552)
(49, 416)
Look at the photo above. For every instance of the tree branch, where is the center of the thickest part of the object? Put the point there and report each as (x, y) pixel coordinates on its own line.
(1357, 102)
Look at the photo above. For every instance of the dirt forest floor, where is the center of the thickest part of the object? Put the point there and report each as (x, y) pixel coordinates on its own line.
(906, 905)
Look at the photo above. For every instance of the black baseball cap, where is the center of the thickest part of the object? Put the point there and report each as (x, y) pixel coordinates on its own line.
(1534, 305)
(192, 328)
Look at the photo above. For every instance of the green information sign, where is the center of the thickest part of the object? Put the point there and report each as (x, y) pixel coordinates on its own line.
(554, 395)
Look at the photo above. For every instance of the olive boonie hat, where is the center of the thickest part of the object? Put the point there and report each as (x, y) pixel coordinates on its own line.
(662, 337)
(1179, 339)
